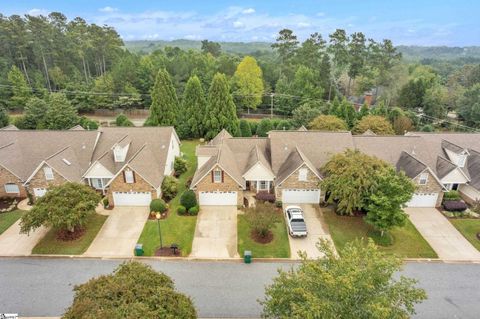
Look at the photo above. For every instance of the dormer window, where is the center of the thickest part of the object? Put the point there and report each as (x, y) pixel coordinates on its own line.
(120, 153)
(129, 177)
(461, 160)
(302, 174)
(423, 179)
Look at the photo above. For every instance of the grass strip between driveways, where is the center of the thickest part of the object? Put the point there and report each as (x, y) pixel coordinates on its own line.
(408, 243)
(469, 228)
(51, 245)
(9, 218)
(278, 248)
(175, 229)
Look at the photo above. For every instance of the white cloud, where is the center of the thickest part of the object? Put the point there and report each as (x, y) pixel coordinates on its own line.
(320, 14)
(248, 11)
(303, 24)
(108, 9)
(37, 12)
(238, 24)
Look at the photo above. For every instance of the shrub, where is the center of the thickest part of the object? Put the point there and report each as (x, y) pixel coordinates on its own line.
(181, 210)
(455, 206)
(253, 127)
(261, 218)
(193, 211)
(105, 202)
(278, 203)
(180, 166)
(169, 187)
(88, 124)
(188, 199)
(451, 195)
(265, 197)
(264, 127)
(284, 125)
(245, 129)
(158, 206)
(122, 120)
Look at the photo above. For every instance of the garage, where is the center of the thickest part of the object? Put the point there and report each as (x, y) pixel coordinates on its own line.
(423, 200)
(301, 196)
(217, 198)
(132, 198)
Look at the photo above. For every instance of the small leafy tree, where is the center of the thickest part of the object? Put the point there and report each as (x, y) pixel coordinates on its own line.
(169, 187)
(360, 284)
(65, 207)
(264, 127)
(328, 123)
(60, 115)
(134, 290)
(87, 123)
(304, 114)
(35, 111)
(180, 166)
(377, 124)
(245, 130)
(385, 205)
(188, 199)
(122, 120)
(261, 218)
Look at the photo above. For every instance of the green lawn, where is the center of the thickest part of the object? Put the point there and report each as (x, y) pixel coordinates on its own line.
(469, 228)
(50, 245)
(175, 229)
(408, 243)
(277, 248)
(9, 218)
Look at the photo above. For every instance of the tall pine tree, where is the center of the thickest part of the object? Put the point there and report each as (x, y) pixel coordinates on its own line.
(164, 108)
(19, 88)
(221, 112)
(193, 109)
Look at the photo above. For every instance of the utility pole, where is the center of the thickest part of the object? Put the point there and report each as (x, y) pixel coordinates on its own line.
(271, 104)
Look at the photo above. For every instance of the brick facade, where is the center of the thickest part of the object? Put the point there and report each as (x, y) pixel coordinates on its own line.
(119, 185)
(228, 185)
(39, 180)
(6, 177)
(292, 182)
(432, 186)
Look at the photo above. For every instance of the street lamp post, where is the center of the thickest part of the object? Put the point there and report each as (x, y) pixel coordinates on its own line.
(159, 232)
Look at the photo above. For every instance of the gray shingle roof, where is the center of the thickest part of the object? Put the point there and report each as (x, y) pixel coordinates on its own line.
(444, 166)
(410, 165)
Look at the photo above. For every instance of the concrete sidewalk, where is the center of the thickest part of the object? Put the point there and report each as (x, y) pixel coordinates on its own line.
(12, 243)
(445, 239)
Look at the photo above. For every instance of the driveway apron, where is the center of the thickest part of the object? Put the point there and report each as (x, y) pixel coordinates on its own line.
(12, 243)
(215, 233)
(119, 233)
(316, 230)
(445, 239)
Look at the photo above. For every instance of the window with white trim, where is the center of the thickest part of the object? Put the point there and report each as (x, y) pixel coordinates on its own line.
(263, 185)
(461, 160)
(423, 179)
(48, 173)
(129, 177)
(11, 188)
(302, 174)
(217, 176)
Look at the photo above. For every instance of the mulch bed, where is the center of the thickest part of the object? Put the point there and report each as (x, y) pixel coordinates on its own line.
(261, 240)
(162, 216)
(167, 252)
(6, 202)
(66, 235)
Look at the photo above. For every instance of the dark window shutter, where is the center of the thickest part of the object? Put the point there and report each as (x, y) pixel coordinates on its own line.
(134, 178)
(124, 178)
(222, 177)
(213, 178)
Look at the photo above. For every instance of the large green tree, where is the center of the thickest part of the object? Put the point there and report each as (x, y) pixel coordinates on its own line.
(386, 203)
(65, 208)
(134, 290)
(360, 284)
(304, 114)
(60, 115)
(194, 106)
(469, 106)
(164, 108)
(328, 123)
(375, 123)
(21, 92)
(221, 111)
(248, 83)
(35, 112)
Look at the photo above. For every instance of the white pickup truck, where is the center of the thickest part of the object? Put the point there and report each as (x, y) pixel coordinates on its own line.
(295, 221)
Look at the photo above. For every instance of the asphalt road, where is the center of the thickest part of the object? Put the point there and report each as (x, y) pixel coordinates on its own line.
(43, 287)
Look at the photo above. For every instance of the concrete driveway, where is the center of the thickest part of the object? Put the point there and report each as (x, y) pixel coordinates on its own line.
(119, 233)
(12, 243)
(316, 229)
(215, 233)
(445, 239)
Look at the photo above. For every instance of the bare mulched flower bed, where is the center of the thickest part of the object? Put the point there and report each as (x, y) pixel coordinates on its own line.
(167, 252)
(66, 235)
(8, 203)
(261, 240)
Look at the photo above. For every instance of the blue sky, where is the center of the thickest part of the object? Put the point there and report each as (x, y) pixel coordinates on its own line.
(420, 22)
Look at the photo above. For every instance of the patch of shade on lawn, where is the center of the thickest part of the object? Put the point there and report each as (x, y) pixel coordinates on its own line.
(469, 228)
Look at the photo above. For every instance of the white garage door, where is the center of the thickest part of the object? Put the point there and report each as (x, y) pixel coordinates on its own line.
(301, 196)
(132, 198)
(217, 198)
(423, 200)
(39, 192)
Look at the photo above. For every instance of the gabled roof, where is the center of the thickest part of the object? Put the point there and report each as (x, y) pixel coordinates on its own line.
(256, 156)
(369, 132)
(294, 161)
(77, 128)
(452, 147)
(410, 165)
(444, 166)
(219, 138)
(473, 166)
(302, 129)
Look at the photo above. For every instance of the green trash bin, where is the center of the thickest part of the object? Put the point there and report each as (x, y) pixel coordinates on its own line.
(139, 250)
(247, 256)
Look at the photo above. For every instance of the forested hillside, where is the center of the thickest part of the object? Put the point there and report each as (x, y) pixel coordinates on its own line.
(50, 66)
